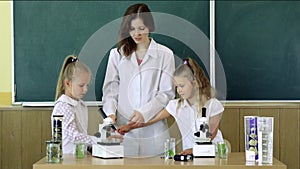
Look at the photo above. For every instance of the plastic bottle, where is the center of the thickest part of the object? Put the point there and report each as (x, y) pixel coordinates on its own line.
(265, 129)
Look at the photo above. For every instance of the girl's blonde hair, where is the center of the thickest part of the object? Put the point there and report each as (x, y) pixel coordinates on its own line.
(192, 71)
(70, 68)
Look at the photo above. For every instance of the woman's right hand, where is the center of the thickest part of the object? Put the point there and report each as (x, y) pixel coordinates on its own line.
(114, 118)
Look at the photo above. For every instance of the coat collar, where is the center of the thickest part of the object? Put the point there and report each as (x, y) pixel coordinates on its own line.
(185, 103)
(69, 100)
(152, 51)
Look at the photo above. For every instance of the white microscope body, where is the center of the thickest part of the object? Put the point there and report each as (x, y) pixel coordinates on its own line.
(203, 146)
(108, 147)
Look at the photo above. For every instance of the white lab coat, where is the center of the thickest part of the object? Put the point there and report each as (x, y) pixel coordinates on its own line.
(146, 88)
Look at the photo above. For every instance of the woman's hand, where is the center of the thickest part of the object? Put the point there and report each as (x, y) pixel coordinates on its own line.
(137, 119)
(114, 118)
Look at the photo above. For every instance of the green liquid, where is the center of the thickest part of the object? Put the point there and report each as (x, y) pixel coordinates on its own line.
(53, 152)
(222, 150)
(80, 150)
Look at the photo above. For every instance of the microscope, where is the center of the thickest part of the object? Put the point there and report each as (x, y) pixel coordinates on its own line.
(108, 146)
(203, 146)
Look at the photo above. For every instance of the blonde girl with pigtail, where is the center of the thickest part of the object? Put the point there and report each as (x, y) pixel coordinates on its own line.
(194, 92)
(72, 85)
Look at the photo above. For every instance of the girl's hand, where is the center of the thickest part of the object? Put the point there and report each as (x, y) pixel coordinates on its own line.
(137, 118)
(186, 152)
(123, 129)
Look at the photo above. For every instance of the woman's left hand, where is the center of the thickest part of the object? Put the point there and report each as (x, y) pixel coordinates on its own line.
(137, 118)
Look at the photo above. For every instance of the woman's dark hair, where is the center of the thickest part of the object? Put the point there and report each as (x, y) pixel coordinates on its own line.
(126, 43)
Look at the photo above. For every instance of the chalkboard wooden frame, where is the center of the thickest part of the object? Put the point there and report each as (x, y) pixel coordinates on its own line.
(258, 65)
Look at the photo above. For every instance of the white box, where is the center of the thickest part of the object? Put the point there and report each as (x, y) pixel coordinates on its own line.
(204, 150)
(108, 151)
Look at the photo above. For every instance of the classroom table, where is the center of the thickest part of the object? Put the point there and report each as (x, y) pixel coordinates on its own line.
(235, 160)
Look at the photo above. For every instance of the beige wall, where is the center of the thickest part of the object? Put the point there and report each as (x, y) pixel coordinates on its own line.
(5, 53)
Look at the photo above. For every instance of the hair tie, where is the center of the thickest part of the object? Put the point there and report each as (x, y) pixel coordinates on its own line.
(186, 62)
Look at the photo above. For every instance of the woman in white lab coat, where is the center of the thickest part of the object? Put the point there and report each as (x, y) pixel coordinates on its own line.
(138, 83)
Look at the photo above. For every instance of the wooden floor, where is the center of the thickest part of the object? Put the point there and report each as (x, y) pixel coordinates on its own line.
(25, 130)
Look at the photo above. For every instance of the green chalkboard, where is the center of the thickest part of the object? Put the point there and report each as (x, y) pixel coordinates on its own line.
(45, 32)
(258, 43)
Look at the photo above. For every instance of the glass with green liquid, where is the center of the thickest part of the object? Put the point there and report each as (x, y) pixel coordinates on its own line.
(80, 150)
(53, 152)
(170, 148)
(222, 150)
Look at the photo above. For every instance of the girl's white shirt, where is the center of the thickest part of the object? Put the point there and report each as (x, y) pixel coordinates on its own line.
(146, 88)
(186, 119)
(75, 123)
